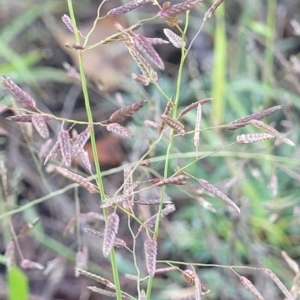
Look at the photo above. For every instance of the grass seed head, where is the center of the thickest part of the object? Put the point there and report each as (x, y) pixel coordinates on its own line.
(170, 11)
(253, 137)
(251, 288)
(119, 130)
(111, 229)
(39, 123)
(118, 11)
(175, 39)
(175, 124)
(22, 97)
(150, 247)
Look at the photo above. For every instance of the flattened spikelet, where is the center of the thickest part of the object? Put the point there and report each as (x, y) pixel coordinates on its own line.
(157, 41)
(20, 118)
(81, 260)
(65, 147)
(102, 292)
(212, 189)
(67, 21)
(278, 282)
(80, 140)
(175, 124)
(96, 278)
(85, 160)
(118, 243)
(176, 9)
(44, 149)
(197, 127)
(175, 39)
(151, 202)
(31, 265)
(127, 111)
(149, 223)
(251, 288)
(126, 8)
(77, 178)
(150, 123)
(53, 152)
(111, 229)
(142, 44)
(23, 98)
(165, 270)
(177, 180)
(119, 130)
(141, 79)
(189, 276)
(150, 247)
(256, 116)
(253, 137)
(211, 10)
(39, 123)
(272, 131)
(193, 105)
(198, 290)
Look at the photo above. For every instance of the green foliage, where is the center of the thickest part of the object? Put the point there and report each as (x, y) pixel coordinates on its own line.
(17, 285)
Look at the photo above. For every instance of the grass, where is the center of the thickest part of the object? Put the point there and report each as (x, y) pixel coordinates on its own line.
(203, 233)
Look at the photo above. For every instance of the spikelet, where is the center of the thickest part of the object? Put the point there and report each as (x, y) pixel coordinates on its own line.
(197, 128)
(142, 44)
(127, 111)
(113, 202)
(253, 137)
(144, 66)
(272, 131)
(151, 202)
(175, 124)
(177, 180)
(150, 123)
(65, 146)
(251, 288)
(141, 79)
(67, 21)
(157, 41)
(165, 270)
(44, 149)
(9, 255)
(80, 140)
(3, 175)
(39, 123)
(150, 247)
(193, 105)
(111, 229)
(169, 11)
(81, 260)
(119, 130)
(96, 278)
(23, 98)
(175, 39)
(212, 189)
(211, 10)
(149, 223)
(31, 265)
(77, 178)
(278, 282)
(126, 8)
(198, 290)
(118, 243)
(102, 292)
(53, 152)
(128, 188)
(256, 116)
(189, 276)
(20, 118)
(85, 160)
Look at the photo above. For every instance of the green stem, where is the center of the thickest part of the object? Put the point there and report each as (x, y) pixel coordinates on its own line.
(166, 169)
(93, 140)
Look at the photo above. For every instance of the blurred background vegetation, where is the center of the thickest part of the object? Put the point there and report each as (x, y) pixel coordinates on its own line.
(247, 58)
